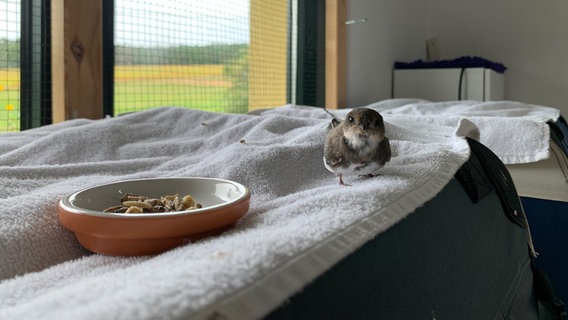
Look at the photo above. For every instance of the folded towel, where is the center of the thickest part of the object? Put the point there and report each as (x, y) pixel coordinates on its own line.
(516, 132)
(296, 205)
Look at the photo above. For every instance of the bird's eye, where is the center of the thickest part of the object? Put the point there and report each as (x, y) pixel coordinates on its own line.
(350, 119)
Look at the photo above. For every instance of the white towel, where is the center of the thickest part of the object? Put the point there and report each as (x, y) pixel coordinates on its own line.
(296, 205)
(516, 132)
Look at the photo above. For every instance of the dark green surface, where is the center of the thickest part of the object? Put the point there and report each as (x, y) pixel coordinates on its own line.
(450, 259)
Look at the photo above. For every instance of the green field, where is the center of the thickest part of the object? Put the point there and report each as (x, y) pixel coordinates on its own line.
(9, 99)
(138, 87)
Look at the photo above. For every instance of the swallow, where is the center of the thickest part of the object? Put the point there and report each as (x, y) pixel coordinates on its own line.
(356, 145)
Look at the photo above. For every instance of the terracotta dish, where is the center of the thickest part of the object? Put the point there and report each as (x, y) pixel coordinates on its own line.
(128, 234)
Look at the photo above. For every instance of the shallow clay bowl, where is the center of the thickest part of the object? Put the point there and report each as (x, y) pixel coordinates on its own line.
(128, 234)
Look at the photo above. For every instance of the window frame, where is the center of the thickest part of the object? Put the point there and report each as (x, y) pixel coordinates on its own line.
(47, 98)
(35, 64)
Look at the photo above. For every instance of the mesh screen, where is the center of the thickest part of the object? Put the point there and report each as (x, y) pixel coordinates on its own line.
(183, 53)
(214, 55)
(9, 65)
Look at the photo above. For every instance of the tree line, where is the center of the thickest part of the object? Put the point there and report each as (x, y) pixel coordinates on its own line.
(128, 55)
(180, 55)
(9, 53)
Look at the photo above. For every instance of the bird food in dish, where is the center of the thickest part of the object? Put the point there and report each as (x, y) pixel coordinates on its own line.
(131, 203)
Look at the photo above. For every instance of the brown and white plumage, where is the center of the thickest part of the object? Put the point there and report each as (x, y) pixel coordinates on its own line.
(356, 145)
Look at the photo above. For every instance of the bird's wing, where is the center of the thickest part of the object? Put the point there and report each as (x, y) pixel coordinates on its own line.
(383, 154)
(333, 149)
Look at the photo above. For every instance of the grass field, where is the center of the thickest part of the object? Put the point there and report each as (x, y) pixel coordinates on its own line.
(9, 99)
(204, 87)
(140, 87)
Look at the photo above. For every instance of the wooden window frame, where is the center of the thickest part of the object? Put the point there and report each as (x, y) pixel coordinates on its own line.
(76, 59)
(335, 54)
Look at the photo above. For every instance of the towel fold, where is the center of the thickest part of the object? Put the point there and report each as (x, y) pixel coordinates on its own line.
(516, 132)
(296, 205)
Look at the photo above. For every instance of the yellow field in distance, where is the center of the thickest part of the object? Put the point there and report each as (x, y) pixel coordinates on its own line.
(138, 87)
(10, 79)
(130, 72)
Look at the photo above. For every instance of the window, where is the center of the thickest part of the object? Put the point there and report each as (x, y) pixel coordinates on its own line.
(217, 55)
(25, 83)
(10, 65)
(184, 53)
(214, 55)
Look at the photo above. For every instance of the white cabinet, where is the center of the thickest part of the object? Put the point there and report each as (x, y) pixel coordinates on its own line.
(480, 84)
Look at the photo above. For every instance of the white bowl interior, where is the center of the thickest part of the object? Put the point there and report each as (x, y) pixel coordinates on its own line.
(209, 192)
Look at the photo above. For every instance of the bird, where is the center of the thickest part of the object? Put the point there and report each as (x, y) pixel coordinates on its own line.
(356, 145)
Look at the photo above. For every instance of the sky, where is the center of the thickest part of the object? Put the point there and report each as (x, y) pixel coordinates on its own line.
(9, 19)
(169, 22)
(149, 23)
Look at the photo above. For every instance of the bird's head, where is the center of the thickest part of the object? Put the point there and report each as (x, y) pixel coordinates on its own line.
(364, 122)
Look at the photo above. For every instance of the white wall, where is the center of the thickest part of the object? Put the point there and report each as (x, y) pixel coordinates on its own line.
(530, 37)
(395, 29)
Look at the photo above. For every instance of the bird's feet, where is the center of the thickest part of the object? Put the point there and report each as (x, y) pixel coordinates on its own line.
(341, 182)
